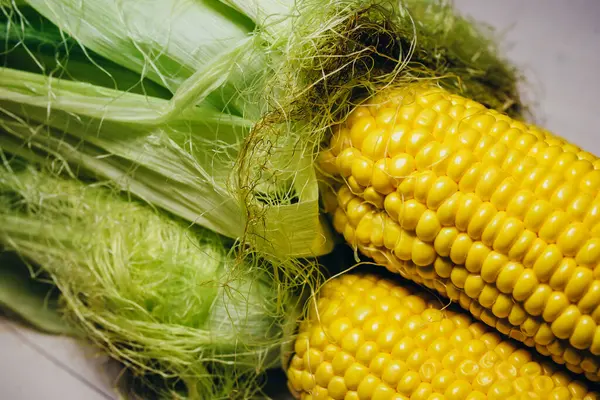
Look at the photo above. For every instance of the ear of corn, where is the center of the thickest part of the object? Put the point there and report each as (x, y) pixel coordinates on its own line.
(499, 216)
(371, 338)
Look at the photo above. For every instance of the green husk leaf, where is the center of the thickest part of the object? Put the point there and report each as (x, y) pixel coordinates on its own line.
(31, 299)
(32, 43)
(164, 298)
(194, 151)
(165, 41)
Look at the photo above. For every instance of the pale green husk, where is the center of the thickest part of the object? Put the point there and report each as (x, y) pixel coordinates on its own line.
(162, 297)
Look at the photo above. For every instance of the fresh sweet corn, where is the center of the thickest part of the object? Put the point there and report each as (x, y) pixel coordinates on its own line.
(373, 338)
(500, 216)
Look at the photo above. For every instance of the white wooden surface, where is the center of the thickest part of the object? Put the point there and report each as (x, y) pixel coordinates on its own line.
(555, 42)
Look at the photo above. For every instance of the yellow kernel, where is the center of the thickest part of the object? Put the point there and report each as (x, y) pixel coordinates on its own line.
(426, 157)
(394, 371)
(476, 347)
(578, 283)
(401, 166)
(490, 180)
(563, 274)
(538, 213)
(464, 213)
(476, 257)
(324, 374)
(583, 334)
(591, 299)
(502, 306)
(480, 219)
(352, 341)
(351, 395)
(473, 286)
(572, 239)
(397, 139)
(593, 215)
(423, 184)
(492, 265)
(423, 253)
(547, 185)
(375, 144)
(555, 305)
(443, 380)
(493, 228)
(307, 381)
(459, 276)
(341, 362)
(458, 390)
(442, 189)
(430, 368)
(312, 359)
(428, 226)
(357, 114)
(393, 205)
(517, 315)
(500, 390)
(525, 285)
(360, 130)
(330, 350)
(452, 359)
(345, 160)
(403, 248)
(564, 325)
(412, 211)
(403, 348)
(535, 304)
(542, 384)
(337, 388)
(381, 180)
(508, 276)
(383, 392)
(476, 395)
(589, 253)
(422, 392)
(416, 359)
(448, 209)
(416, 140)
(483, 381)
(469, 179)
(553, 226)
(444, 240)
(460, 248)
(362, 170)
(459, 163)
(365, 228)
(366, 352)
(560, 393)
(519, 205)
(547, 263)
(367, 386)
(409, 383)
(386, 117)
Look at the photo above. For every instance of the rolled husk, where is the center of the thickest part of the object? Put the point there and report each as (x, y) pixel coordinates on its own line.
(171, 301)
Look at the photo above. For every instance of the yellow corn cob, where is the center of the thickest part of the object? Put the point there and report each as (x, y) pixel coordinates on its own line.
(371, 338)
(500, 216)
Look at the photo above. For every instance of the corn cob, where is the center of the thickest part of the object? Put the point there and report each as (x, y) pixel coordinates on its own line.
(372, 338)
(497, 215)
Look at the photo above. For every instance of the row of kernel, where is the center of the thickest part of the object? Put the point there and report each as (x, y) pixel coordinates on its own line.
(572, 284)
(492, 298)
(429, 357)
